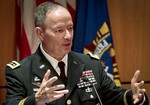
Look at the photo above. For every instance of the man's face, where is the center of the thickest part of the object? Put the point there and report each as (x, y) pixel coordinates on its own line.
(58, 33)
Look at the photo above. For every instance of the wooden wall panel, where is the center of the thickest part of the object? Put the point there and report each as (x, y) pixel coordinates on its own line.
(131, 28)
(2, 95)
(7, 40)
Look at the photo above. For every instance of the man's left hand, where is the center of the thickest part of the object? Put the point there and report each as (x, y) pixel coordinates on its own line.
(137, 91)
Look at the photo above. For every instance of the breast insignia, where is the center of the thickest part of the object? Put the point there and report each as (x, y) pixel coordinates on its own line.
(93, 56)
(13, 64)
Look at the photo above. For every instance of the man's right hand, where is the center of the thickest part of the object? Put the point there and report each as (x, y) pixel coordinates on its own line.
(48, 93)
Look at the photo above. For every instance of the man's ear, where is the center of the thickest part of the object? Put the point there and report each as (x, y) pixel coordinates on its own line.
(39, 33)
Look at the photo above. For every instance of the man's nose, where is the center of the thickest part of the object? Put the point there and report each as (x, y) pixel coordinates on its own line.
(68, 34)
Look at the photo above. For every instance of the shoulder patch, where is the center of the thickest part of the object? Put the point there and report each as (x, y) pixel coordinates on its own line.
(93, 56)
(13, 64)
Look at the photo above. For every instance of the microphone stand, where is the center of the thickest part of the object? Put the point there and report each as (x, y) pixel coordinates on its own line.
(97, 95)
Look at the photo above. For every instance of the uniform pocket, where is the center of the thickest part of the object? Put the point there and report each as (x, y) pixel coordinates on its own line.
(87, 94)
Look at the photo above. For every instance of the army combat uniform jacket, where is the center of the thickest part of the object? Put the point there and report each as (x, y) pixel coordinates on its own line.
(84, 73)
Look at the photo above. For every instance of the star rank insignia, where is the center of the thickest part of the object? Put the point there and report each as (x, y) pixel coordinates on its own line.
(87, 79)
(13, 64)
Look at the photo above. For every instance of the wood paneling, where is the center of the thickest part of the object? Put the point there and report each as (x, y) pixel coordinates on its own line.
(7, 40)
(131, 28)
(2, 95)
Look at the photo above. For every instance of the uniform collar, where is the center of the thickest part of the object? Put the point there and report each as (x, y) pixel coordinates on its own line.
(54, 61)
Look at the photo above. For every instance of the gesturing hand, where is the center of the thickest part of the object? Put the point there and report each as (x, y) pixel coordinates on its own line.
(137, 91)
(48, 93)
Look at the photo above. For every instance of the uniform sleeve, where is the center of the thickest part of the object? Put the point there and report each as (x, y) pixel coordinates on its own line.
(111, 94)
(117, 95)
(16, 91)
(28, 100)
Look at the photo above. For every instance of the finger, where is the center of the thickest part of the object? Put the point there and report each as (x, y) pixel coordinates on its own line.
(57, 87)
(51, 81)
(66, 91)
(52, 98)
(142, 91)
(54, 89)
(58, 96)
(138, 98)
(141, 83)
(135, 77)
(136, 101)
(54, 93)
(46, 76)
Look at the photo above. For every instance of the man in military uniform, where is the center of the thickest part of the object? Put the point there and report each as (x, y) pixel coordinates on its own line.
(55, 75)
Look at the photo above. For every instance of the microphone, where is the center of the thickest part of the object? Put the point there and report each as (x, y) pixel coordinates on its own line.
(93, 84)
(97, 94)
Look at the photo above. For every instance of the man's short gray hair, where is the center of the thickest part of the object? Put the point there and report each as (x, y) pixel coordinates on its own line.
(41, 10)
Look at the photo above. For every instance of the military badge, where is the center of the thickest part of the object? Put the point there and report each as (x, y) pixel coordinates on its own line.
(13, 64)
(87, 79)
(42, 66)
(36, 83)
